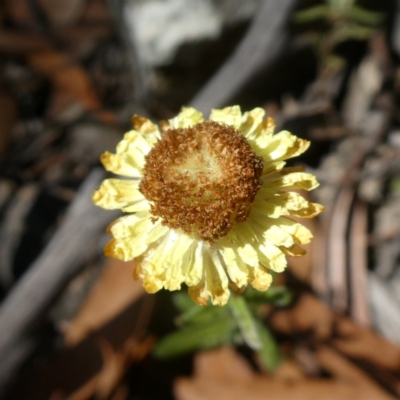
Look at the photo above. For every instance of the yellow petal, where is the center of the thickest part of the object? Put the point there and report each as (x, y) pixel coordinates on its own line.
(194, 268)
(199, 293)
(153, 265)
(286, 179)
(137, 273)
(139, 206)
(261, 138)
(251, 124)
(293, 251)
(130, 225)
(272, 257)
(216, 280)
(297, 205)
(247, 253)
(228, 115)
(253, 249)
(260, 279)
(156, 232)
(149, 130)
(236, 268)
(134, 148)
(268, 209)
(120, 164)
(129, 236)
(269, 230)
(287, 203)
(282, 146)
(152, 283)
(176, 261)
(300, 233)
(188, 117)
(118, 193)
(214, 283)
(130, 157)
(272, 168)
(265, 134)
(125, 249)
(299, 180)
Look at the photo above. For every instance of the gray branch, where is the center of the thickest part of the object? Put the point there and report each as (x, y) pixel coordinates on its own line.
(264, 42)
(30, 298)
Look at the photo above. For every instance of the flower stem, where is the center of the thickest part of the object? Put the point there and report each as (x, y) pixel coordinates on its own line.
(245, 321)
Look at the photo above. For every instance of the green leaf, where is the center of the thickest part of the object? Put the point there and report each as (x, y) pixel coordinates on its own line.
(269, 354)
(395, 185)
(188, 339)
(311, 14)
(278, 295)
(351, 31)
(183, 302)
(201, 315)
(366, 17)
(334, 62)
(341, 7)
(245, 321)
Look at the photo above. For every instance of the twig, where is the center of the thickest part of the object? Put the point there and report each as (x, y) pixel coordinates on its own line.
(358, 265)
(139, 71)
(374, 134)
(337, 260)
(262, 45)
(60, 261)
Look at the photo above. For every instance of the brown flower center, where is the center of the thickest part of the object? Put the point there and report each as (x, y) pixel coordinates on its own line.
(202, 179)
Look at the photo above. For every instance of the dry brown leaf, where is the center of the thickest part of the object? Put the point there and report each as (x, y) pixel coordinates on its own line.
(310, 314)
(97, 11)
(58, 12)
(67, 76)
(223, 363)
(20, 13)
(348, 383)
(288, 371)
(115, 365)
(113, 292)
(115, 313)
(359, 343)
(20, 43)
(61, 12)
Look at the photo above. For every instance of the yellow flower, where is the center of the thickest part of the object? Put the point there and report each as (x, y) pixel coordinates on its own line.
(208, 202)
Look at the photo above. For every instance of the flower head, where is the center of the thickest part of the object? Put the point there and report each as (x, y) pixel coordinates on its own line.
(209, 202)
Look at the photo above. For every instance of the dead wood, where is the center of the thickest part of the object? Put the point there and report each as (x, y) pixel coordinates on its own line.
(75, 241)
(262, 45)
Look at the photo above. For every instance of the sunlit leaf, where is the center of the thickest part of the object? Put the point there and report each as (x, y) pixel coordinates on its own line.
(311, 14)
(182, 301)
(202, 315)
(334, 62)
(269, 355)
(277, 295)
(395, 185)
(342, 7)
(366, 17)
(351, 31)
(217, 333)
(245, 321)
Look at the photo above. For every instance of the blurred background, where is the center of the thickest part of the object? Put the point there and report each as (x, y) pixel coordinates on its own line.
(74, 325)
